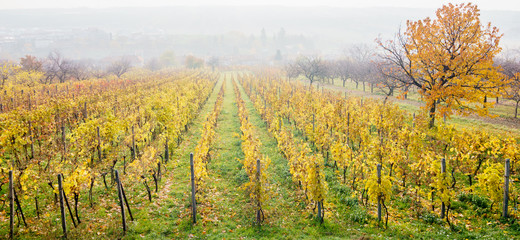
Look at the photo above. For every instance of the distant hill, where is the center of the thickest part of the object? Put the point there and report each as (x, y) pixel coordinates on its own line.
(330, 29)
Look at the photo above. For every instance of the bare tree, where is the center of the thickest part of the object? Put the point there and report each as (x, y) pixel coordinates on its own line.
(361, 56)
(386, 84)
(97, 69)
(344, 69)
(213, 62)
(57, 67)
(98, 73)
(311, 67)
(511, 70)
(80, 70)
(120, 66)
(154, 64)
(291, 71)
(330, 71)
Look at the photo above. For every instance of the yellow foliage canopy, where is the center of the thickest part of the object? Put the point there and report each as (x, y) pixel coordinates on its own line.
(450, 59)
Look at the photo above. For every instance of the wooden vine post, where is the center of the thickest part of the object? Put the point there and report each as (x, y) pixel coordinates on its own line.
(166, 152)
(31, 139)
(443, 171)
(193, 203)
(62, 207)
(126, 201)
(413, 121)
(506, 188)
(85, 113)
(63, 139)
(133, 144)
(67, 203)
(379, 194)
(11, 205)
(259, 207)
(313, 124)
(99, 144)
(321, 212)
(121, 201)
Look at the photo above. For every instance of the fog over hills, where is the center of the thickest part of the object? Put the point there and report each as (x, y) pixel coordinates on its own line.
(211, 30)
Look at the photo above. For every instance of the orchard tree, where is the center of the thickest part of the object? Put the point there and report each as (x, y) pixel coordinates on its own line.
(330, 71)
(193, 62)
(120, 66)
(449, 59)
(213, 62)
(362, 57)
(344, 68)
(511, 70)
(167, 59)
(80, 70)
(57, 67)
(154, 64)
(291, 71)
(311, 67)
(387, 85)
(31, 63)
(97, 69)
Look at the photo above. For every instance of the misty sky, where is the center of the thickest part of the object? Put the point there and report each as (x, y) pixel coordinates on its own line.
(483, 4)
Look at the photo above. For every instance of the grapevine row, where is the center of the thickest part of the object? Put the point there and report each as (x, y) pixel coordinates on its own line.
(85, 134)
(356, 134)
(255, 163)
(306, 167)
(202, 154)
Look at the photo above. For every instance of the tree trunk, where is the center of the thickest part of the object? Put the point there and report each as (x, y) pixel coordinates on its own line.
(311, 80)
(432, 114)
(516, 109)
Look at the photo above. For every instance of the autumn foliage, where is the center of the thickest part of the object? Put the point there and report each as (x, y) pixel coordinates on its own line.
(449, 58)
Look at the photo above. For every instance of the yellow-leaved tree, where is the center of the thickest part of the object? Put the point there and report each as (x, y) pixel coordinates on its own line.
(449, 59)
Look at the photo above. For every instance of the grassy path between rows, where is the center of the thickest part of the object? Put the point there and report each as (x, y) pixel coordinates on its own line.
(224, 211)
(288, 217)
(168, 216)
(348, 216)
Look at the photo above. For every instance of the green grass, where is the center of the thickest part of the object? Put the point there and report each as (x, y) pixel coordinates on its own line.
(349, 216)
(504, 110)
(224, 210)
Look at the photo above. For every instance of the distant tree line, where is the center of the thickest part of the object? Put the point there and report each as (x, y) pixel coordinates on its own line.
(364, 66)
(56, 68)
(357, 65)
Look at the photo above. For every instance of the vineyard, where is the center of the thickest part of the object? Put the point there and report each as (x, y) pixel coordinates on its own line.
(246, 154)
